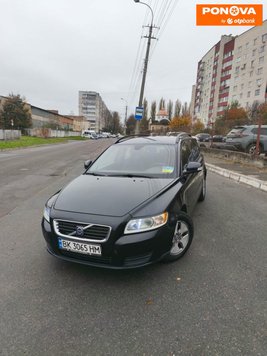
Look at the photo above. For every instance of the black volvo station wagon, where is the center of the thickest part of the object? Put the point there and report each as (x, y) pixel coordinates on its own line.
(131, 207)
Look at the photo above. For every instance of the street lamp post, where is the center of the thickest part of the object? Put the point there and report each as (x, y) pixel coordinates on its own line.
(125, 118)
(149, 37)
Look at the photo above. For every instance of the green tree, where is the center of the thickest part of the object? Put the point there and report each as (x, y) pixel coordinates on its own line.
(15, 114)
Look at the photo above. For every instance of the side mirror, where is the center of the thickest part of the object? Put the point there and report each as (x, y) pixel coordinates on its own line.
(87, 164)
(193, 167)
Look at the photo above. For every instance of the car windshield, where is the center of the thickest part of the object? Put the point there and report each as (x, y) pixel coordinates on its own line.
(136, 160)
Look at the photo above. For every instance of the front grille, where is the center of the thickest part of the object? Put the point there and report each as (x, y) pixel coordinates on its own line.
(90, 232)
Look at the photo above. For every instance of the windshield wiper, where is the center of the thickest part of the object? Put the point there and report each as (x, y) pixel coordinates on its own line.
(96, 174)
(129, 175)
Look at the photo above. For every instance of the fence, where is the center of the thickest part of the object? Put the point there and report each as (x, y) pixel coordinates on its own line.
(10, 134)
(46, 132)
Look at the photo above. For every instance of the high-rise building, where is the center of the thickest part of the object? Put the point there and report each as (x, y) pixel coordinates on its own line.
(234, 69)
(94, 109)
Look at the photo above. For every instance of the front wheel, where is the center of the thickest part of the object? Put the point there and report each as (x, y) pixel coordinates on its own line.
(182, 238)
(251, 149)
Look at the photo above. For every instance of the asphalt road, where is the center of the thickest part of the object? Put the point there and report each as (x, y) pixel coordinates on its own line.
(211, 302)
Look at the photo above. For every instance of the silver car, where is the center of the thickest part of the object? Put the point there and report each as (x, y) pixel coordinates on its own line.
(244, 138)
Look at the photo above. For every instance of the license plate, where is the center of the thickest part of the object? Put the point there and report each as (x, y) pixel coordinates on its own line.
(79, 247)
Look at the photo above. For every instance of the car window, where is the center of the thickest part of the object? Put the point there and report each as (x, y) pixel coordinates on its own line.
(263, 131)
(157, 161)
(185, 153)
(195, 151)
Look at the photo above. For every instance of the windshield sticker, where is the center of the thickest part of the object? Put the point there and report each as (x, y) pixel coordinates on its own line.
(167, 169)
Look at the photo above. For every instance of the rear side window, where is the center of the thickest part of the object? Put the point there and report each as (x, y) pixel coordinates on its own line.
(263, 131)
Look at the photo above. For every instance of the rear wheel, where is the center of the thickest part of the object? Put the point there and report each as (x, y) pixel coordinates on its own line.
(182, 238)
(203, 190)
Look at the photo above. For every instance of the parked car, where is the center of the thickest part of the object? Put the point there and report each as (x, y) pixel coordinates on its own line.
(89, 134)
(218, 138)
(203, 137)
(244, 138)
(131, 207)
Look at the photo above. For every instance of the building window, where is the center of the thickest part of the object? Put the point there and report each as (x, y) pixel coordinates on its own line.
(264, 37)
(249, 84)
(240, 95)
(259, 82)
(242, 86)
(255, 41)
(251, 73)
(257, 92)
(239, 48)
(238, 59)
(235, 88)
(254, 52)
(261, 49)
(261, 60)
(247, 45)
(252, 64)
(248, 94)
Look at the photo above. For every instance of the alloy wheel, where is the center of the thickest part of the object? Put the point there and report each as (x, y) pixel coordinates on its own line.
(180, 238)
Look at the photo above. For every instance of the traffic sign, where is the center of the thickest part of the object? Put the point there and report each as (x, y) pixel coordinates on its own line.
(139, 111)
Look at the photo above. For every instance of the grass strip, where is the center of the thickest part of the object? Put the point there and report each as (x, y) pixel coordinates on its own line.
(26, 141)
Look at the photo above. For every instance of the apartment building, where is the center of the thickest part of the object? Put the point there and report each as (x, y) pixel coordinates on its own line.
(93, 108)
(234, 69)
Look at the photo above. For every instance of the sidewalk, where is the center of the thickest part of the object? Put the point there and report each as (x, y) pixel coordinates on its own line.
(253, 176)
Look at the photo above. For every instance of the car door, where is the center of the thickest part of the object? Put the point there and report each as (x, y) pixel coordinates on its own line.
(190, 180)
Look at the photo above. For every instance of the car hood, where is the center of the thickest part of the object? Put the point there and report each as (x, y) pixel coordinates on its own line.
(113, 196)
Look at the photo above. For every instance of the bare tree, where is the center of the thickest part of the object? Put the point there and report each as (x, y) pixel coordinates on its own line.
(153, 110)
(170, 108)
(177, 108)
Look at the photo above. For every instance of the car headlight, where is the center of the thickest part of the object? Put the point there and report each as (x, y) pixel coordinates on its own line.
(146, 224)
(47, 213)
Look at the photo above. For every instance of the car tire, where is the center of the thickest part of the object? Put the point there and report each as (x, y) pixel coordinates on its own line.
(251, 149)
(203, 190)
(182, 238)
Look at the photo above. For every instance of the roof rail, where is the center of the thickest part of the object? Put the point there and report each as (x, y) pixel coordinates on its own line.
(128, 137)
(180, 135)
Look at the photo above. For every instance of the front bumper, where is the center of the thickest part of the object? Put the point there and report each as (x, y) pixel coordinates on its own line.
(118, 252)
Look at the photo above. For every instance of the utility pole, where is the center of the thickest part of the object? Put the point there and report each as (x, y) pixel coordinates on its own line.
(149, 37)
(125, 119)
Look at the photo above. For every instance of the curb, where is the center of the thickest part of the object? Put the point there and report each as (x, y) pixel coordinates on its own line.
(237, 177)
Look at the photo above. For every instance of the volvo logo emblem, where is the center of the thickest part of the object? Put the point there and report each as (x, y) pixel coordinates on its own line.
(79, 231)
